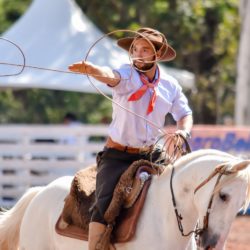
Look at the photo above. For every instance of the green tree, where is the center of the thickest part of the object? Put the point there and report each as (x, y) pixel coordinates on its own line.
(205, 34)
(50, 106)
(10, 11)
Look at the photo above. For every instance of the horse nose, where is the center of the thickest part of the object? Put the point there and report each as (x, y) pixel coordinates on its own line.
(208, 240)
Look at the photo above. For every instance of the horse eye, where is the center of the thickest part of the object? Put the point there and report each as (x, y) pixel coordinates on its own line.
(224, 197)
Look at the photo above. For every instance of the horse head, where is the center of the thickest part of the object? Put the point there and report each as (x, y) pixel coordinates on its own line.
(228, 188)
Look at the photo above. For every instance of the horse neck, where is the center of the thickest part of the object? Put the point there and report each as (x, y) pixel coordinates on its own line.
(158, 215)
(161, 209)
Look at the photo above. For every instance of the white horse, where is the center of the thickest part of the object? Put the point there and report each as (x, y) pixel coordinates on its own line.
(30, 224)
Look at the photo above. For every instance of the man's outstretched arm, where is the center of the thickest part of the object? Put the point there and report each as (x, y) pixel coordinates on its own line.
(103, 74)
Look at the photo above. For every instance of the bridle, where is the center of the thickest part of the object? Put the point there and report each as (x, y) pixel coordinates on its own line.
(221, 170)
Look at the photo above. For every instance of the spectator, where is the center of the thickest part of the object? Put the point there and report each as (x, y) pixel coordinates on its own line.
(70, 120)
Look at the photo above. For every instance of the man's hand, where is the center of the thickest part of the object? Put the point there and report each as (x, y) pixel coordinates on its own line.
(102, 74)
(184, 133)
(80, 67)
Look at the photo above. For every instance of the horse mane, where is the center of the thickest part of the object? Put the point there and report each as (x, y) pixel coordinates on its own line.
(181, 162)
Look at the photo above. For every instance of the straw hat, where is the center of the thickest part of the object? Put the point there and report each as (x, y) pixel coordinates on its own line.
(154, 36)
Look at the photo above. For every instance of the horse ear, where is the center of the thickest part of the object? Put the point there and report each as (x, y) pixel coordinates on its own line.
(241, 165)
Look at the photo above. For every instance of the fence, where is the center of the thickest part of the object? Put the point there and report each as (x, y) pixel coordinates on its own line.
(36, 155)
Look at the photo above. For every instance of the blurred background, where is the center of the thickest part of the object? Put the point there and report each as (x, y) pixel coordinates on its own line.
(205, 34)
(53, 123)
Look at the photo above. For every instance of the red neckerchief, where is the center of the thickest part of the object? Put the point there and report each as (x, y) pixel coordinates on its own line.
(142, 90)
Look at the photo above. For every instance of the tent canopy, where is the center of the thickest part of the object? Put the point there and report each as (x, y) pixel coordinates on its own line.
(54, 34)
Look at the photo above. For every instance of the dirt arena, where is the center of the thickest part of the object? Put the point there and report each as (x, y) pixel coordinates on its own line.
(239, 236)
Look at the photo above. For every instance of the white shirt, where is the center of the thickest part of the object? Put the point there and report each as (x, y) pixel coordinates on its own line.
(130, 130)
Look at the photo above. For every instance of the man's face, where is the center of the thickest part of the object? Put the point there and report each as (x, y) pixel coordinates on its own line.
(143, 54)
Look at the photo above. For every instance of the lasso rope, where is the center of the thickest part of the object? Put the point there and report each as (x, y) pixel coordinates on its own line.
(144, 35)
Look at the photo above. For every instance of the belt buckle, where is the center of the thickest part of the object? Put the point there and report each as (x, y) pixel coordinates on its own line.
(144, 149)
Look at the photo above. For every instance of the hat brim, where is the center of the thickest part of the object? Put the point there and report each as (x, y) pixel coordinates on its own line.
(169, 55)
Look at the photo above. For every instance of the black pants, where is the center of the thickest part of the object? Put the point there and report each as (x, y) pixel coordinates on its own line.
(111, 163)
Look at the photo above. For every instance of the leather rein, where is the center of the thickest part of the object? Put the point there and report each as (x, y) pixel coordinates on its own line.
(221, 170)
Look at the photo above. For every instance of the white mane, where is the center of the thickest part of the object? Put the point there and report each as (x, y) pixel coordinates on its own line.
(181, 162)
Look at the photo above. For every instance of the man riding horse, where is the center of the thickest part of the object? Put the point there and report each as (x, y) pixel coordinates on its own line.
(142, 89)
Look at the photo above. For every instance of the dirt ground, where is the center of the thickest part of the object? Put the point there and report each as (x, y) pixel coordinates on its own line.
(239, 236)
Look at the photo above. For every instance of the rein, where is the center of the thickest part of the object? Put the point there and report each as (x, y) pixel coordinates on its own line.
(221, 170)
(179, 217)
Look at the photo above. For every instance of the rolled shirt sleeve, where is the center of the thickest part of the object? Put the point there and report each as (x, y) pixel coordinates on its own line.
(180, 107)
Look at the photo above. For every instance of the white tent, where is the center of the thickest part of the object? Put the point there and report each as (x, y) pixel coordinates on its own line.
(54, 34)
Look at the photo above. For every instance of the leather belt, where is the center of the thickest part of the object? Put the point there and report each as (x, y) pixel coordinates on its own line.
(143, 150)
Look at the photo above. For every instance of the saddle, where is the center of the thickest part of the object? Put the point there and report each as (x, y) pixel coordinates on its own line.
(123, 212)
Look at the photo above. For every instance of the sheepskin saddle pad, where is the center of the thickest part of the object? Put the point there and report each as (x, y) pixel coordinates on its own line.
(123, 211)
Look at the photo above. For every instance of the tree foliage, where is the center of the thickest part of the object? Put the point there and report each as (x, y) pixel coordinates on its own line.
(10, 11)
(205, 34)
